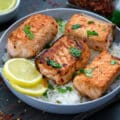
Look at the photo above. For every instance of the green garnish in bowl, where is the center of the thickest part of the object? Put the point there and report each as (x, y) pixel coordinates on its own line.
(91, 33)
(28, 32)
(75, 52)
(53, 63)
(90, 22)
(61, 23)
(76, 26)
(113, 62)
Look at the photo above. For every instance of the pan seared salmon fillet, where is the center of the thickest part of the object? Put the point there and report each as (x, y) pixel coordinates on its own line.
(32, 36)
(60, 61)
(98, 76)
(98, 34)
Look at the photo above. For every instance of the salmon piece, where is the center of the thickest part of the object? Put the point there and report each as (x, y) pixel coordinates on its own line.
(105, 68)
(41, 28)
(98, 34)
(67, 63)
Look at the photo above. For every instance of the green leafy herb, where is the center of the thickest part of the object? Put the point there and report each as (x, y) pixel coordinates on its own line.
(91, 22)
(61, 24)
(61, 90)
(53, 63)
(115, 17)
(76, 73)
(87, 72)
(113, 62)
(91, 33)
(28, 32)
(57, 101)
(64, 90)
(75, 52)
(76, 26)
(45, 94)
(68, 88)
(50, 87)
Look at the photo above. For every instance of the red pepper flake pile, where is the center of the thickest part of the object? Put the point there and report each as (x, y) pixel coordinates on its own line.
(4, 116)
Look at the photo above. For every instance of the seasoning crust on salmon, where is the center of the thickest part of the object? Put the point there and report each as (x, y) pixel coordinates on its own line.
(98, 76)
(32, 36)
(97, 33)
(65, 57)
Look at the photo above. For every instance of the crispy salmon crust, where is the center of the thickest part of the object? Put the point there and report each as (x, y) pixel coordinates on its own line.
(103, 31)
(44, 29)
(106, 69)
(60, 53)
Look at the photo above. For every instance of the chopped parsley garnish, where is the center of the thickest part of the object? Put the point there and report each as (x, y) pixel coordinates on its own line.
(113, 62)
(64, 90)
(53, 63)
(76, 73)
(57, 101)
(91, 33)
(61, 24)
(115, 17)
(87, 72)
(28, 32)
(61, 90)
(75, 52)
(76, 26)
(68, 88)
(45, 94)
(90, 22)
(50, 87)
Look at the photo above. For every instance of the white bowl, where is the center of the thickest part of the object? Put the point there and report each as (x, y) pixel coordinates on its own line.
(5, 16)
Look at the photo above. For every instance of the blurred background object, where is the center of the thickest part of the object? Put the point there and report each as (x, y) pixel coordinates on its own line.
(8, 9)
(107, 8)
(104, 7)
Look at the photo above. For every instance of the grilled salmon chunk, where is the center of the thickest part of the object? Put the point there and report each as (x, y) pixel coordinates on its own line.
(60, 61)
(31, 36)
(98, 34)
(97, 77)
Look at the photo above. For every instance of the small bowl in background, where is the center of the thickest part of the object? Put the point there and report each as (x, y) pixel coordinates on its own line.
(6, 16)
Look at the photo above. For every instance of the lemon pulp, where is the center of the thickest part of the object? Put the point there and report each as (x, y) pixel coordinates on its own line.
(24, 78)
(6, 5)
(21, 72)
(22, 69)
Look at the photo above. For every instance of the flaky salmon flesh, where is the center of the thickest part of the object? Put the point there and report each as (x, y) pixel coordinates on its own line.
(31, 36)
(97, 33)
(65, 57)
(98, 76)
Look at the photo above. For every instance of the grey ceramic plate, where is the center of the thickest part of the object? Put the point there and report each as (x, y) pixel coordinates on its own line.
(63, 13)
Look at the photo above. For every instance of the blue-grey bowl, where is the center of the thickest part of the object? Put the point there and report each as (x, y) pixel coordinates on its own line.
(63, 13)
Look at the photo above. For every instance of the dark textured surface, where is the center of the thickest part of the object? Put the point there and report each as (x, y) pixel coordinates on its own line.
(9, 104)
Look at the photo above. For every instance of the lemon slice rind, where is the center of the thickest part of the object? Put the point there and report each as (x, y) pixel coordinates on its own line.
(28, 91)
(18, 81)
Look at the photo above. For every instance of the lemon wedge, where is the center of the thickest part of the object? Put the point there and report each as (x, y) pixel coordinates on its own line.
(36, 91)
(6, 5)
(22, 72)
